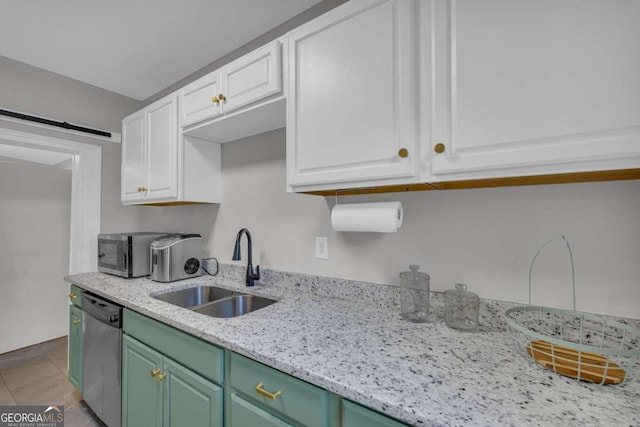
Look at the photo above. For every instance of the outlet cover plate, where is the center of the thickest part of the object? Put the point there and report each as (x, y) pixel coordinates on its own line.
(322, 248)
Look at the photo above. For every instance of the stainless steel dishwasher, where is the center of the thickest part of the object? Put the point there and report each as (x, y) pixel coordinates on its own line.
(101, 358)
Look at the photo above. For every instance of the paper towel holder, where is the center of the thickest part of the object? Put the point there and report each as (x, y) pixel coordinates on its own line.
(380, 217)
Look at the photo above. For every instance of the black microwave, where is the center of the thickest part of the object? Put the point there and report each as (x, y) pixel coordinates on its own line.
(126, 254)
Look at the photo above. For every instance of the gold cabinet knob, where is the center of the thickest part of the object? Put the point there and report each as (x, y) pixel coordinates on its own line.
(222, 97)
(139, 189)
(403, 152)
(439, 148)
(142, 189)
(161, 376)
(75, 322)
(73, 296)
(215, 99)
(154, 372)
(262, 392)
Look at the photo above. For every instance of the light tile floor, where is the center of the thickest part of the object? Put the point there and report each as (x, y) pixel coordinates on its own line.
(37, 375)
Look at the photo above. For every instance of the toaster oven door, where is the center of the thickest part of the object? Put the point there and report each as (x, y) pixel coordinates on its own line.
(113, 256)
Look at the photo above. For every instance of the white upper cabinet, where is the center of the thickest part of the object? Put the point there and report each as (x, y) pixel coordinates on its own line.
(149, 147)
(161, 166)
(535, 87)
(162, 150)
(240, 99)
(199, 100)
(352, 98)
(134, 154)
(255, 76)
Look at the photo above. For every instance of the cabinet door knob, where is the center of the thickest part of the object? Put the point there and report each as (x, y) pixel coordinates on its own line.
(154, 372)
(222, 97)
(215, 99)
(161, 376)
(73, 296)
(403, 152)
(265, 393)
(439, 148)
(75, 322)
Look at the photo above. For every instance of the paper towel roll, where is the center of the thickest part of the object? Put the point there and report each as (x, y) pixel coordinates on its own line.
(382, 217)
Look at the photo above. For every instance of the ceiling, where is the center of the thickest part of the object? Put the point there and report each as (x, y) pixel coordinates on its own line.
(134, 47)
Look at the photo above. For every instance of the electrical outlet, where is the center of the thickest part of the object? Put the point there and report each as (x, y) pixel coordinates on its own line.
(322, 248)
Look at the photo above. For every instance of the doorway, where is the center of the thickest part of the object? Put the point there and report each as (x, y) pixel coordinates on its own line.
(85, 161)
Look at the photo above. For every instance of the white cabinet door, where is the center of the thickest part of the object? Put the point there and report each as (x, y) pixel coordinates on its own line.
(200, 100)
(252, 77)
(529, 87)
(162, 149)
(150, 153)
(134, 153)
(351, 102)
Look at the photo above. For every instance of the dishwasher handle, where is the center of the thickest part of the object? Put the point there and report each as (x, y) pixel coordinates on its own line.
(102, 310)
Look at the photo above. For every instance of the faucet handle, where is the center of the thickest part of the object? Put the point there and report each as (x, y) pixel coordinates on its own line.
(254, 276)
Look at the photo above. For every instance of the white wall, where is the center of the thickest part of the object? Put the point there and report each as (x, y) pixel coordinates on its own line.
(483, 237)
(35, 204)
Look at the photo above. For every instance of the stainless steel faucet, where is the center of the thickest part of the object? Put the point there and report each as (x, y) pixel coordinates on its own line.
(251, 277)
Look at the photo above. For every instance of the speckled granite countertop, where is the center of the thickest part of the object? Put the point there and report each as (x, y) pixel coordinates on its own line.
(351, 340)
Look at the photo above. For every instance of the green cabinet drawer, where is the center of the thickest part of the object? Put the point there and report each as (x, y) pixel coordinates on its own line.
(294, 398)
(75, 295)
(354, 415)
(244, 414)
(75, 347)
(201, 357)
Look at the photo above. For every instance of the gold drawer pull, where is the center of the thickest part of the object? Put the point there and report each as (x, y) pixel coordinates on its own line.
(73, 296)
(265, 393)
(215, 99)
(403, 152)
(222, 97)
(154, 372)
(75, 322)
(161, 376)
(439, 148)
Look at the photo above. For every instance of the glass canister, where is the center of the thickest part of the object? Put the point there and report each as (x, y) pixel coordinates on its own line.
(414, 295)
(461, 308)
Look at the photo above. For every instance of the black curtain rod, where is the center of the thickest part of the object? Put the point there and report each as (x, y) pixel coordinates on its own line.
(64, 125)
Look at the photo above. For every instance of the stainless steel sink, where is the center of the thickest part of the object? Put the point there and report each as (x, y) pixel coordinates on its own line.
(234, 306)
(193, 297)
(215, 302)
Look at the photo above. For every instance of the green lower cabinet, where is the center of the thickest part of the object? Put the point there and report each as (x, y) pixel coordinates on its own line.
(141, 393)
(75, 347)
(190, 400)
(245, 414)
(157, 391)
(354, 415)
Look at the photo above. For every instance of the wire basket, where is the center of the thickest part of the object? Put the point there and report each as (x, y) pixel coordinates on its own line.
(579, 345)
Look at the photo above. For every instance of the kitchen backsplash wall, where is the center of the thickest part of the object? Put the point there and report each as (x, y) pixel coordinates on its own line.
(485, 238)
